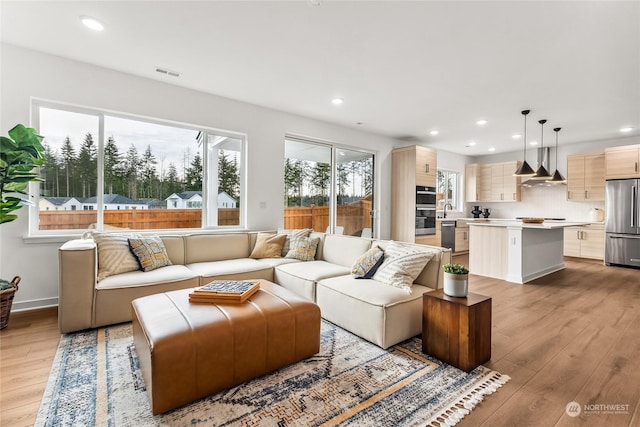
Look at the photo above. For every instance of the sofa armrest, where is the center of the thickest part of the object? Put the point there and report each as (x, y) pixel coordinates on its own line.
(77, 275)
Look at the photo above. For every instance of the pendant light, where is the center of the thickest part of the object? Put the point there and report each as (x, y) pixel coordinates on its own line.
(524, 169)
(542, 172)
(557, 176)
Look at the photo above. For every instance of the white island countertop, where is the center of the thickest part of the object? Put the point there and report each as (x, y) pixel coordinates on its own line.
(547, 225)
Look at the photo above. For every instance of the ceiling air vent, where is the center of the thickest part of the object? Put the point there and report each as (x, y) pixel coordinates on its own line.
(167, 72)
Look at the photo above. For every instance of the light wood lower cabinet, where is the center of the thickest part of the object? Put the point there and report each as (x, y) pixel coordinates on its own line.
(584, 241)
(431, 240)
(462, 237)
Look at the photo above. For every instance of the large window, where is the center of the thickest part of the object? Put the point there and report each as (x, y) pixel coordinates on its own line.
(153, 175)
(328, 188)
(448, 190)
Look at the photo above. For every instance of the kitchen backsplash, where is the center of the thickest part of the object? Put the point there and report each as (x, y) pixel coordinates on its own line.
(544, 202)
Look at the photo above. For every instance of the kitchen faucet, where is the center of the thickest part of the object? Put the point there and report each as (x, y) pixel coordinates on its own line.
(444, 214)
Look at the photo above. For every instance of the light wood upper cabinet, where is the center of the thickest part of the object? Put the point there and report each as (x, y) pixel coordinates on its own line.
(426, 170)
(586, 177)
(492, 182)
(623, 162)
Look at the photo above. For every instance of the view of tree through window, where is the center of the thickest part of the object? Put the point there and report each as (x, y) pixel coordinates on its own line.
(308, 188)
(153, 174)
(447, 190)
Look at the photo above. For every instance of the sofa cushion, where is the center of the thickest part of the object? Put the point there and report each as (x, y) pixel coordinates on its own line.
(377, 312)
(172, 273)
(268, 246)
(301, 277)
(150, 252)
(303, 248)
(216, 247)
(114, 255)
(344, 250)
(229, 267)
(367, 265)
(403, 264)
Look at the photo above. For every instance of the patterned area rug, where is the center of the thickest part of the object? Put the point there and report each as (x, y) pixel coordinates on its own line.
(96, 380)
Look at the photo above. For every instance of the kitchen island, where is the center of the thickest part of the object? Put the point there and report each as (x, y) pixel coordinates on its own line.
(514, 251)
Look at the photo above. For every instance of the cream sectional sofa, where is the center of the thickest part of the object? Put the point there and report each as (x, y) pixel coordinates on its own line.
(377, 312)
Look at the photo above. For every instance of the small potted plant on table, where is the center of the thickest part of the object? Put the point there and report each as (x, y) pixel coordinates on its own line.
(20, 154)
(456, 280)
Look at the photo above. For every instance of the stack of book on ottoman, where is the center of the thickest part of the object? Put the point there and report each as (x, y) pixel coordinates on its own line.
(225, 291)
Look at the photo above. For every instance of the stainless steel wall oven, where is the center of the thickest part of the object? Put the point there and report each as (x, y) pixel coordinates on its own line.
(425, 211)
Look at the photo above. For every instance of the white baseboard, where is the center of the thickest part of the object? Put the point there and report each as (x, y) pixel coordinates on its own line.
(34, 304)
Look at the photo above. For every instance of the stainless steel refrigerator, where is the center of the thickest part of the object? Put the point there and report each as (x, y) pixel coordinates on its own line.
(622, 224)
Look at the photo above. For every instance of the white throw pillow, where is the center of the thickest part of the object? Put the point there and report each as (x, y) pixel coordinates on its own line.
(402, 265)
(114, 255)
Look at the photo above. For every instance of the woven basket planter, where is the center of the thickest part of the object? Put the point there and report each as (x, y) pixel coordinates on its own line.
(6, 299)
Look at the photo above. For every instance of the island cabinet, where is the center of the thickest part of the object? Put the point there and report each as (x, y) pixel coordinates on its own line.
(462, 236)
(492, 182)
(585, 241)
(586, 177)
(623, 162)
(410, 167)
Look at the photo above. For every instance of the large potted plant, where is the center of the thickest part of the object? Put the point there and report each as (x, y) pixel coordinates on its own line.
(20, 154)
(456, 280)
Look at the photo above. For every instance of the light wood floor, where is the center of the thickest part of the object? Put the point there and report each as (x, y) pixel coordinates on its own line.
(571, 336)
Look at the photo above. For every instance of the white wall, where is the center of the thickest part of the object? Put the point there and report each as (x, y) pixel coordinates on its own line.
(549, 202)
(26, 73)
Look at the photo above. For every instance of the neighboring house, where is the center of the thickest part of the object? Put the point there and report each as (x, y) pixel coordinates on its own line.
(226, 201)
(114, 202)
(185, 200)
(153, 203)
(60, 204)
(193, 200)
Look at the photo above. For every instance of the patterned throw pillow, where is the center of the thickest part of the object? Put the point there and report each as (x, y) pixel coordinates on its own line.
(402, 265)
(303, 248)
(367, 265)
(268, 246)
(150, 252)
(292, 235)
(114, 255)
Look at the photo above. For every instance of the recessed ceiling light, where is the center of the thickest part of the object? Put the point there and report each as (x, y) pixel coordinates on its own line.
(472, 143)
(492, 149)
(337, 101)
(626, 129)
(434, 132)
(481, 122)
(516, 136)
(92, 23)
(533, 143)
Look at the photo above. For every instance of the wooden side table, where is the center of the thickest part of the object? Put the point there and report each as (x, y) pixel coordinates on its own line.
(457, 330)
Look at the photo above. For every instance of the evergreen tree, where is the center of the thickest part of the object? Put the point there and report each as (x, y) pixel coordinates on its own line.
(320, 179)
(132, 165)
(228, 175)
(193, 175)
(68, 160)
(149, 173)
(50, 172)
(172, 182)
(295, 174)
(88, 166)
(112, 165)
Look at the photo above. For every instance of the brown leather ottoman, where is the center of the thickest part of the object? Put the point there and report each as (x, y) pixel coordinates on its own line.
(188, 351)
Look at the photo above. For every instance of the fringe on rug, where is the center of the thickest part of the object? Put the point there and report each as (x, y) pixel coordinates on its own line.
(457, 410)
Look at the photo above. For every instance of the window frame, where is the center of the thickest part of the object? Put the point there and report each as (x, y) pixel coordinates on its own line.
(457, 196)
(100, 113)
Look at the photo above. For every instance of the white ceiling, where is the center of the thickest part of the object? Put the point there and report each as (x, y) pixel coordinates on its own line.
(403, 68)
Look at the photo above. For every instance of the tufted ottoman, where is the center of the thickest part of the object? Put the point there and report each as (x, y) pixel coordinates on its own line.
(188, 351)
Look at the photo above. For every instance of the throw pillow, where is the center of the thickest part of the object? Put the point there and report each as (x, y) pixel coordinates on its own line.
(402, 265)
(367, 264)
(303, 248)
(268, 246)
(150, 252)
(292, 235)
(114, 255)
